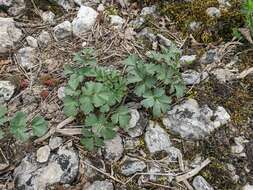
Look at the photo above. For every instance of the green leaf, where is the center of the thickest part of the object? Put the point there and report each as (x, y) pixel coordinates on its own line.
(88, 143)
(157, 100)
(68, 70)
(71, 92)
(87, 132)
(133, 79)
(70, 106)
(152, 68)
(131, 60)
(105, 108)
(18, 126)
(180, 89)
(98, 141)
(91, 120)
(19, 120)
(236, 33)
(85, 57)
(158, 92)
(39, 126)
(74, 81)
(87, 71)
(20, 134)
(140, 89)
(108, 133)
(96, 93)
(148, 102)
(86, 104)
(157, 109)
(121, 116)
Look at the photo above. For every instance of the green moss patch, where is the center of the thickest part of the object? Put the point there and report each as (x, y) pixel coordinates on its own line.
(211, 29)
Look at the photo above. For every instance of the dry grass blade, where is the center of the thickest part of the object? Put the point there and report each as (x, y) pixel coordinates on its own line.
(246, 34)
(69, 132)
(245, 73)
(193, 172)
(104, 173)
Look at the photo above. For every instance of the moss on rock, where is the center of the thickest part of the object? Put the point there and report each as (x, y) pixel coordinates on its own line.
(211, 29)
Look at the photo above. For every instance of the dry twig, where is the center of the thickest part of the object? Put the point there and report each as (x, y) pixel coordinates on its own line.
(193, 172)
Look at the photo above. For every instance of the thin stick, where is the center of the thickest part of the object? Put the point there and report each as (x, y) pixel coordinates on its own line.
(193, 172)
(104, 173)
(160, 185)
(148, 173)
(188, 185)
(69, 132)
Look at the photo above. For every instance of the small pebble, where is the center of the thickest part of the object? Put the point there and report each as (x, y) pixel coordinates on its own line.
(43, 154)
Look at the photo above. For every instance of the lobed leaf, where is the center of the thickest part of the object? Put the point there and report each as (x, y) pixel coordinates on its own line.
(39, 126)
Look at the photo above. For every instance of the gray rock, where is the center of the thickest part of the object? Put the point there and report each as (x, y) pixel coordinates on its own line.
(131, 144)
(194, 25)
(48, 17)
(247, 187)
(137, 123)
(239, 146)
(232, 173)
(193, 122)
(87, 2)
(43, 154)
(209, 57)
(187, 59)
(191, 77)
(31, 41)
(224, 4)
(156, 138)
(117, 21)
(132, 165)
(199, 183)
(114, 149)
(213, 12)
(86, 18)
(148, 10)
(221, 117)
(135, 117)
(62, 167)
(66, 4)
(223, 75)
(63, 30)
(100, 8)
(154, 169)
(145, 32)
(55, 142)
(7, 89)
(99, 185)
(137, 23)
(17, 7)
(6, 3)
(164, 41)
(61, 93)
(9, 34)
(27, 57)
(44, 39)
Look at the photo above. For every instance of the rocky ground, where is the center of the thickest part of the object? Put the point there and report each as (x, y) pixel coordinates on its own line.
(204, 142)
